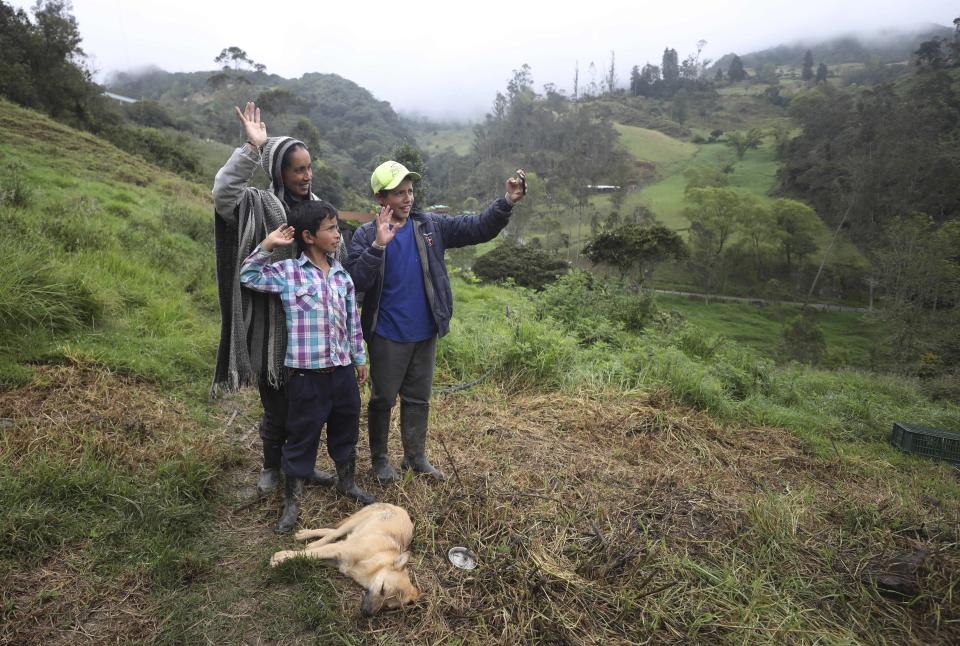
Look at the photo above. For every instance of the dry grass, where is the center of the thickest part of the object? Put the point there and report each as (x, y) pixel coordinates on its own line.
(611, 518)
(67, 418)
(69, 412)
(596, 517)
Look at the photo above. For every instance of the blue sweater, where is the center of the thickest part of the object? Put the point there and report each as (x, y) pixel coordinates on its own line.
(434, 234)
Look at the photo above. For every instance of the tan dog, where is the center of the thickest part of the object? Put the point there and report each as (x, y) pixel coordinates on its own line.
(370, 548)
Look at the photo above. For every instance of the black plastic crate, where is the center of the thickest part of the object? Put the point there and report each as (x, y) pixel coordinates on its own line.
(929, 442)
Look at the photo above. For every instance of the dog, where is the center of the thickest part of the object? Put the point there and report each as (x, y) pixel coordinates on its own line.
(370, 547)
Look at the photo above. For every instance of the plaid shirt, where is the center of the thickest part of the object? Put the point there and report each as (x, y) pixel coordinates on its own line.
(323, 327)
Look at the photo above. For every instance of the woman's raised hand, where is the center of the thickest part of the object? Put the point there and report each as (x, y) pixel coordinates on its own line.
(254, 129)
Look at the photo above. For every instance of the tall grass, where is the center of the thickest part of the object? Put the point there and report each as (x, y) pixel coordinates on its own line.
(704, 369)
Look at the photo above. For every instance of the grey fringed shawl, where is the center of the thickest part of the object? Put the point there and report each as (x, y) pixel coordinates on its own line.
(253, 333)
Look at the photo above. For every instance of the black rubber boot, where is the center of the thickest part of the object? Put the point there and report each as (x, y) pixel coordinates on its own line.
(291, 507)
(270, 474)
(348, 486)
(322, 478)
(413, 432)
(378, 430)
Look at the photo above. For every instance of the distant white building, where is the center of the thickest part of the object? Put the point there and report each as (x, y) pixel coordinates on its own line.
(603, 188)
(117, 97)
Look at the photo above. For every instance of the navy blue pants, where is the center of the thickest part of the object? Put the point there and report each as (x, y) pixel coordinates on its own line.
(316, 398)
(273, 426)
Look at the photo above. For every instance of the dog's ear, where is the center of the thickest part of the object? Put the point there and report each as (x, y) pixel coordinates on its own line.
(401, 560)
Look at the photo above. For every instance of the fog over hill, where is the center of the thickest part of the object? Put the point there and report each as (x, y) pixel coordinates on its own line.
(443, 60)
(892, 45)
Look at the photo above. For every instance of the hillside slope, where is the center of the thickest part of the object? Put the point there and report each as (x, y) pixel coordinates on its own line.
(617, 487)
(112, 256)
(352, 127)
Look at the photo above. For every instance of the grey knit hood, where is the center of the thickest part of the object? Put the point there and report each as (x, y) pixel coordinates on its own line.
(271, 160)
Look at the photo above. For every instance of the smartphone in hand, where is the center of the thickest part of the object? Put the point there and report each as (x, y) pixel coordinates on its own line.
(523, 180)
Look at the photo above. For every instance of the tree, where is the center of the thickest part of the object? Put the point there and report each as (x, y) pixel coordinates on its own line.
(742, 142)
(821, 73)
(758, 227)
(680, 108)
(576, 81)
(635, 81)
(649, 76)
(692, 67)
(327, 183)
(306, 132)
(937, 53)
(636, 250)
(279, 101)
(670, 66)
(736, 72)
(701, 176)
(528, 267)
(610, 80)
(44, 65)
(233, 55)
(919, 268)
(807, 73)
(796, 223)
(520, 85)
(714, 215)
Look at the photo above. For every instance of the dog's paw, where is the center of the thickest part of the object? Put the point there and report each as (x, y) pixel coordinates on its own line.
(280, 557)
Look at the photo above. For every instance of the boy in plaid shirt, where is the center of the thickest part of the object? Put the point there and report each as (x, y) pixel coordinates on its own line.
(324, 347)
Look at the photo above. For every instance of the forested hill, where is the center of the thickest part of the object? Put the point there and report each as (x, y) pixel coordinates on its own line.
(889, 46)
(343, 122)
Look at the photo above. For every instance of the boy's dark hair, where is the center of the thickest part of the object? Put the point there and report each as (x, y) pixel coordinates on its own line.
(307, 216)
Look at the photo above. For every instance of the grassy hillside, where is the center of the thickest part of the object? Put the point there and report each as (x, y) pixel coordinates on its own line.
(434, 138)
(653, 146)
(669, 486)
(112, 257)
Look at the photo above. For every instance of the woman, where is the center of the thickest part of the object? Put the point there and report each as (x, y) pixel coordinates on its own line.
(253, 336)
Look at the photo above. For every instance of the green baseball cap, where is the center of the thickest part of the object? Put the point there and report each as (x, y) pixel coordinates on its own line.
(388, 175)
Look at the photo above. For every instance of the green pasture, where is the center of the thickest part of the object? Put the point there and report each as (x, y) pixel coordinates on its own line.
(436, 138)
(649, 145)
(849, 336)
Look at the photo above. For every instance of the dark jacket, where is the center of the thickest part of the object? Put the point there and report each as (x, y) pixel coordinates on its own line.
(434, 234)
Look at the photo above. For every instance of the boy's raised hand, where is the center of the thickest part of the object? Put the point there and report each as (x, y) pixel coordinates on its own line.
(516, 187)
(282, 236)
(254, 129)
(386, 229)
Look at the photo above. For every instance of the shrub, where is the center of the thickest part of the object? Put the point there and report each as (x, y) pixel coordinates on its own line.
(526, 266)
(803, 339)
(14, 188)
(593, 308)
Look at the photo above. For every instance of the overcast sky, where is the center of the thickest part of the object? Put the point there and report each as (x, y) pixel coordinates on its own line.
(444, 58)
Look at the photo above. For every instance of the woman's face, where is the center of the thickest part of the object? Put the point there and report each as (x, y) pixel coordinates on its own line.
(298, 173)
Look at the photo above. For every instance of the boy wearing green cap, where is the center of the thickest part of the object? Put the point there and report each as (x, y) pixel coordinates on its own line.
(397, 260)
